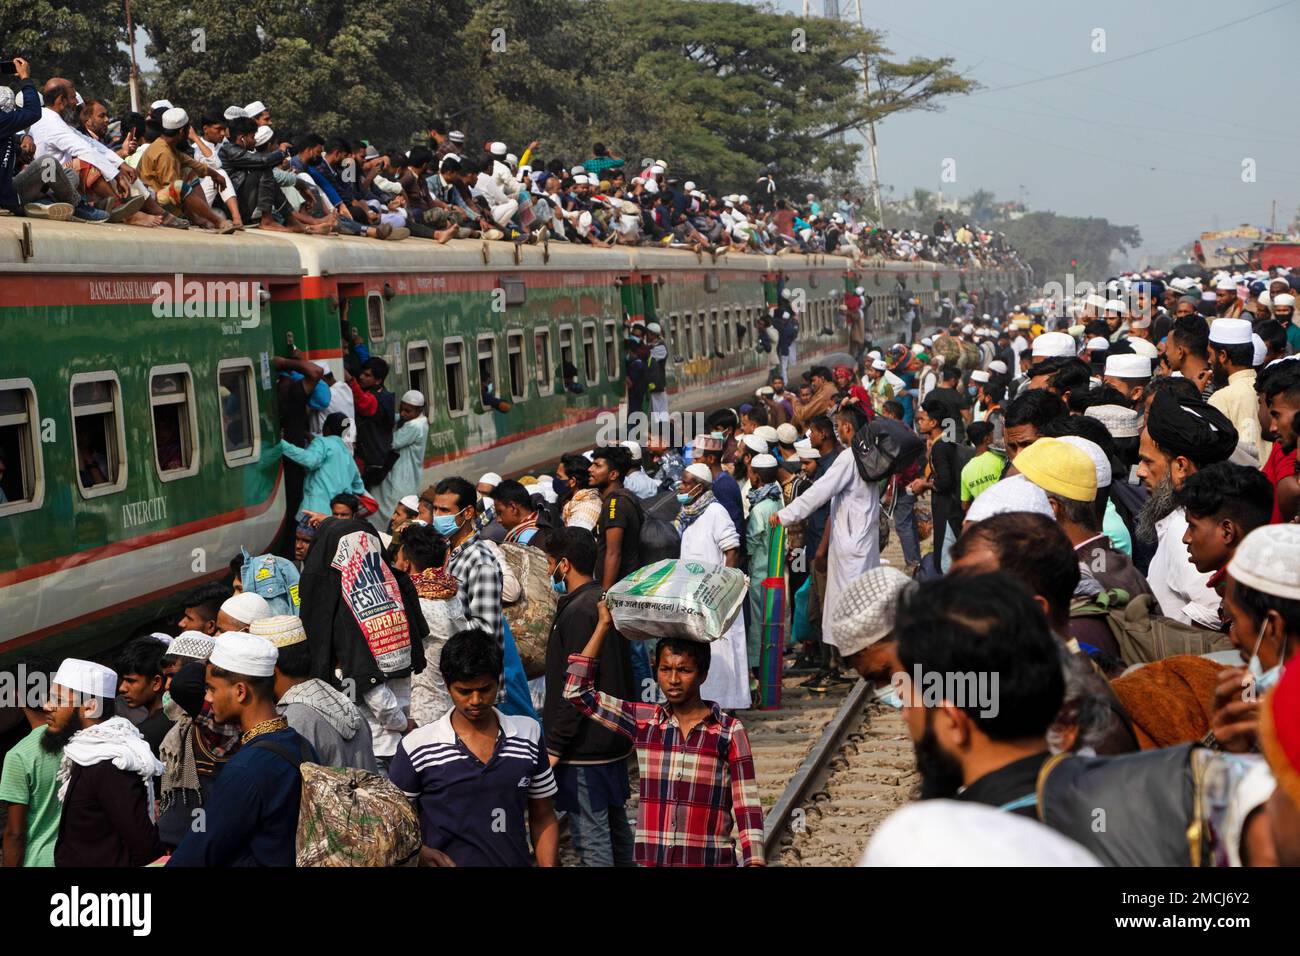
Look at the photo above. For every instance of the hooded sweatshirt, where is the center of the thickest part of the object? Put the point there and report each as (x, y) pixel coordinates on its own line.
(331, 722)
(358, 612)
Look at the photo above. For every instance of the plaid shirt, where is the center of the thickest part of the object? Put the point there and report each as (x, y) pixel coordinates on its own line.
(475, 569)
(690, 789)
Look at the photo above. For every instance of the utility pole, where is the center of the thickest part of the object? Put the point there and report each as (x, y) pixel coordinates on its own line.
(871, 127)
(133, 78)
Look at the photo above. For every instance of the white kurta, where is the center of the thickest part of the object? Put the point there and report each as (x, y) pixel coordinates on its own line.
(1183, 592)
(706, 540)
(854, 527)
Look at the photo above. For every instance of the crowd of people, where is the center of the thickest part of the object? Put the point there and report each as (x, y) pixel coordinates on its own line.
(65, 158)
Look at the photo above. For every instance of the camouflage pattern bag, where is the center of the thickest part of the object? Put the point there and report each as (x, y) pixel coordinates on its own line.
(530, 617)
(349, 817)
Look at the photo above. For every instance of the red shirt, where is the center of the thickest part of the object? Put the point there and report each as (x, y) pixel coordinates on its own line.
(1279, 465)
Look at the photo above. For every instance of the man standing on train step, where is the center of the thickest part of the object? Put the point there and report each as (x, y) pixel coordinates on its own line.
(376, 413)
(404, 478)
(657, 379)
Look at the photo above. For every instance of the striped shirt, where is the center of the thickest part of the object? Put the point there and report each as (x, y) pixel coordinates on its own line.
(691, 789)
(476, 813)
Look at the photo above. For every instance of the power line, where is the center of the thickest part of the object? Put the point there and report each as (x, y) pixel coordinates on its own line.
(1110, 61)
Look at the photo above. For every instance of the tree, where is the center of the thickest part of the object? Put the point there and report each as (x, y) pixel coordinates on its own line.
(983, 206)
(1048, 243)
(75, 39)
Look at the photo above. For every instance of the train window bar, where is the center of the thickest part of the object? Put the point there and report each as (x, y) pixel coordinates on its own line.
(99, 433)
(375, 316)
(453, 364)
(591, 366)
(417, 374)
(486, 352)
(517, 365)
(175, 428)
(568, 358)
(241, 439)
(542, 369)
(23, 480)
(612, 371)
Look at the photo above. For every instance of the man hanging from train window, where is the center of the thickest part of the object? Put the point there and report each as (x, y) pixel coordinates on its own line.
(376, 412)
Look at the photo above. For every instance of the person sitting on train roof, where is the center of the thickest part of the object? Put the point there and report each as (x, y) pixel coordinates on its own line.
(173, 175)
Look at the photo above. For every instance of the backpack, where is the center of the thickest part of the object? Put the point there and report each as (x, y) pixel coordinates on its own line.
(349, 817)
(530, 617)
(884, 446)
(1142, 635)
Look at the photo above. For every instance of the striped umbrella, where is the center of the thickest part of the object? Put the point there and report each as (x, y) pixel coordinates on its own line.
(771, 653)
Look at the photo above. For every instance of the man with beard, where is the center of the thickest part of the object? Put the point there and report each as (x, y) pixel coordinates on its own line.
(1180, 436)
(29, 782)
(106, 775)
(1234, 380)
(985, 747)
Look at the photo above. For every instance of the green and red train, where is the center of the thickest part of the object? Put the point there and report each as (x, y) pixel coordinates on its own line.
(138, 426)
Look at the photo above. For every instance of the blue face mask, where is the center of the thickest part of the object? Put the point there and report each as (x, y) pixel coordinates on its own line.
(446, 525)
(683, 498)
(559, 586)
(634, 339)
(1265, 680)
(722, 435)
(888, 696)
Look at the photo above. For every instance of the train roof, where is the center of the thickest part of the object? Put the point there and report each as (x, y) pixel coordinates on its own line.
(107, 247)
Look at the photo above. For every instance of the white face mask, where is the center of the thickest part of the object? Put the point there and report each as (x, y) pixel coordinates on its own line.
(488, 504)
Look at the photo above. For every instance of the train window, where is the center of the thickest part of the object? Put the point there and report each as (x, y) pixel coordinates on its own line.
(705, 335)
(453, 364)
(674, 336)
(100, 436)
(611, 352)
(22, 468)
(240, 437)
(590, 364)
(515, 366)
(542, 367)
(175, 433)
(715, 324)
(375, 316)
(417, 374)
(487, 365)
(568, 365)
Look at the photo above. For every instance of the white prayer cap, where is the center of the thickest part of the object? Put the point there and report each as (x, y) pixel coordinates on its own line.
(497, 148)
(654, 327)
(879, 365)
(1230, 331)
(1284, 299)
(1261, 350)
(979, 375)
(164, 639)
(999, 366)
(1097, 344)
(754, 443)
(927, 341)
(246, 607)
(1144, 347)
(807, 452)
(787, 434)
(1116, 306)
(456, 136)
(1121, 422)
(768, 434)
(1053, 345)
(246, 654)
(263, 136)
(254, 109)
(1016, 493)
(192, 644)
(1127, 366)
(414, 398)
(864, 612)
(633, 449)
(765, 390)
(155, 105)
(700, 472)
(874, 353)
(491, 479)
(1225, 285)
(282, 630)
(87, 677)
(1140, 322)
(1099, 459)
(967, 329)
(512, 159)
(690, 186)
(860, 290)
(656, 170)
(410, 503)
(1268, 560)
(958, 833)
(763, 461)
(234, 113)
(918, 348)
(175, 118)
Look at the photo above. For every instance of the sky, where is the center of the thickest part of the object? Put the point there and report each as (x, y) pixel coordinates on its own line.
(1156, 141)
